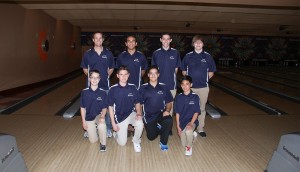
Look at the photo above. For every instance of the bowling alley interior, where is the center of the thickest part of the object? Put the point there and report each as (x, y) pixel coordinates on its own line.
(252, 113)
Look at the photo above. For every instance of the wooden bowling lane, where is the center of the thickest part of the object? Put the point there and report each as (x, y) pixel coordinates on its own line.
(287, 106)
(52, 102)
(230, 104)
(290, 91)
(234, 143)
(266, 76)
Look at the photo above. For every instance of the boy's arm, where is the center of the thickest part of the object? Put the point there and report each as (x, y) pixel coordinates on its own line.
(83, 113)
(85, 71)
(110, 71)
(113, 123)
(168, 109)
(195, 116)
(210, 74)
(102, 115)
(138, 111)
(178, 124)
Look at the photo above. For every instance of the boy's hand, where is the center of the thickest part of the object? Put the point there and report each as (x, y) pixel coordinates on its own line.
(179, 131)
(84, 125)
(115, 127)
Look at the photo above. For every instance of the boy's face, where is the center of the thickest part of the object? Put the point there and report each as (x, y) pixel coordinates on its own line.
(198, 45)
(131, 43)
(165, 41)
(186, 86)
(98, 39)
(123, 76)
(94, 79)
(153, 75)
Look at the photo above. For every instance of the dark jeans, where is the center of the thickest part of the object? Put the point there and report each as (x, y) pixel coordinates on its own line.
(153, 131)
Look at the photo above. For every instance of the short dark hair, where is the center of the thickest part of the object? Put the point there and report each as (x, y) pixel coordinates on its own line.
(197, 38)
(165, 33)
(97, 33)
(94, 71)
(153, 67)
(130, 36)
(186, 78)
(122, 68)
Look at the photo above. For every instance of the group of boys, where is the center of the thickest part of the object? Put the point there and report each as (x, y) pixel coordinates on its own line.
(149, 105)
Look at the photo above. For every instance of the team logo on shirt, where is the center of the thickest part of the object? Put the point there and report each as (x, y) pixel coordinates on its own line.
(130, 94)
(191, 102)
(99, 98)
(203, 60)
(172, 57)
(160, 92)
(104, 57)
(136, 60)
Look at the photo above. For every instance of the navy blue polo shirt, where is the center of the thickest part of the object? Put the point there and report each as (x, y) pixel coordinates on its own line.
(197, 66)
(93, 102)
(186, 106)
(101, 62)
(154, 100)
(135, 64)
(167, 61)
(123, 100)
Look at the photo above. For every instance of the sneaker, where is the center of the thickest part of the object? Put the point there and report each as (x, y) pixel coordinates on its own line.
(108, 133)
(137, 147)
(202, 133)
(102, 148)
(163, 147)
(86, 134)
(188, 151)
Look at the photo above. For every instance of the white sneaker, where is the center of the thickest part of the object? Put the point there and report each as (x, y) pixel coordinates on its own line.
(188, 151)
(86, 134)
(137, 147)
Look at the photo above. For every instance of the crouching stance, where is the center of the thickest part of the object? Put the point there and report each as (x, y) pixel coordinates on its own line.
(157, 103)
(187, 109)
(125, 109)
(93, 107)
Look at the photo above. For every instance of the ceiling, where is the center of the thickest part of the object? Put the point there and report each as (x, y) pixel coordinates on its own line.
(254, 17)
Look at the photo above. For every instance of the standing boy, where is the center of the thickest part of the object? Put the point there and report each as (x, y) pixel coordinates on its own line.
(125, 109)
(93, 108)
(168, 61)
(134, 60)
(157, 104)
(201, 67)
(187, 109)
(101, 59)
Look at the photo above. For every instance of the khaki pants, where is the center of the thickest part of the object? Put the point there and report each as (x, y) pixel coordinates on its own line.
(203, 94)
(92, 130)
(187, 136)
(121, 136)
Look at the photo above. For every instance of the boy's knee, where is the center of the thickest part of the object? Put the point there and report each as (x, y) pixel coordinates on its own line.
(151, 137)
(122, 142)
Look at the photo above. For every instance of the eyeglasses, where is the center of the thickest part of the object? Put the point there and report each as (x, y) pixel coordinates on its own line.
(96, 78)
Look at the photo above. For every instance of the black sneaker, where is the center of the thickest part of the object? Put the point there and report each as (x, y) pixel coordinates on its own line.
(102, 148)
(202, 134)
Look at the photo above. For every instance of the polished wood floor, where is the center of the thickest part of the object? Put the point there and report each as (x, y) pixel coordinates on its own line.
(234, 143)
(242, 141)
